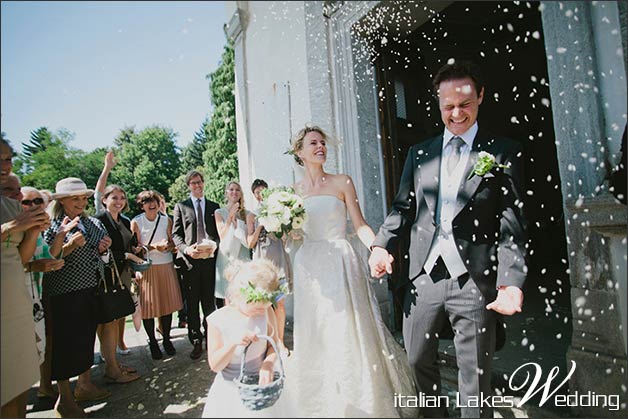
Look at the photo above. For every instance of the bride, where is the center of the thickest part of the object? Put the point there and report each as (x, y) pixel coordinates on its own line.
(345, 362)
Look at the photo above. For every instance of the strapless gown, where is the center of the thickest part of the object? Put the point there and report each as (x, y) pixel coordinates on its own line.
(345, 361)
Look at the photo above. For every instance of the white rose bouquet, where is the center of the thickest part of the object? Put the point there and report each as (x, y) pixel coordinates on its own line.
(282, 211)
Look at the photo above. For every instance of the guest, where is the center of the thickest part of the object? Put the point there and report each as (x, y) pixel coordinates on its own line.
(11, 187)
(159, 290)
(231, 226)
(110, 162)
(18, 351)
(41, 262)
(122, 240)
(268, 246)
(193, 222)
(71, 292)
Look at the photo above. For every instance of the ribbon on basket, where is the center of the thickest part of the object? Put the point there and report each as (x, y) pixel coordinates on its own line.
(253, 395)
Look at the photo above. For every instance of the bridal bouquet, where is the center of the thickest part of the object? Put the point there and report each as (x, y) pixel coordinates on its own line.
(281, 211)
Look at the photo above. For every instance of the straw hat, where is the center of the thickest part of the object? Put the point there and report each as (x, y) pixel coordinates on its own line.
(71, 186)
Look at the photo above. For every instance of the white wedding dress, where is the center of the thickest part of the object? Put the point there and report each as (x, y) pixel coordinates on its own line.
(345, 362)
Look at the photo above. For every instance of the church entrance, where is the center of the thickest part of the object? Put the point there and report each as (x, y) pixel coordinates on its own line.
(506, 41)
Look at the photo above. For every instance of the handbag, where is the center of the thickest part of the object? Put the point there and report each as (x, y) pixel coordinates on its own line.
(114, 301)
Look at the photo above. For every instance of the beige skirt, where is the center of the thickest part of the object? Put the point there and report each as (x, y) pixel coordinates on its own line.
(159, 291)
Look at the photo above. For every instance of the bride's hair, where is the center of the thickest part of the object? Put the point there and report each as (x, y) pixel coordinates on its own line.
(296, 144)
(261, 273)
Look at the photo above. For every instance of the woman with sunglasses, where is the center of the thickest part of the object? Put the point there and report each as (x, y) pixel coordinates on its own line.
(41, 262)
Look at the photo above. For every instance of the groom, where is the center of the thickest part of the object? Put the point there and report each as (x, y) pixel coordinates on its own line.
(467, 241)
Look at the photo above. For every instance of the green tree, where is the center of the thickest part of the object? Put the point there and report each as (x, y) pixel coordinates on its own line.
(147, 159)
(49, 158)
(192, 155)
(220, 158)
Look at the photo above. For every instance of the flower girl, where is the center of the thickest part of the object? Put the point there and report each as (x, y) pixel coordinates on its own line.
(253, 287)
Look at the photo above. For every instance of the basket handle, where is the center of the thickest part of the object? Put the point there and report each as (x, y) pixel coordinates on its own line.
(272, 342)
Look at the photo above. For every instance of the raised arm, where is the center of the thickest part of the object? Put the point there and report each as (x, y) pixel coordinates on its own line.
(110, 162)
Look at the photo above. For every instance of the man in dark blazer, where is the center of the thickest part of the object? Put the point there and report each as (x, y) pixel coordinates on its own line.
(199, 270)
(467, 241)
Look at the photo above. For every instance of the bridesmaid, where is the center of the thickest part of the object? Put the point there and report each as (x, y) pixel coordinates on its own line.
(268, 246)
(231, 225)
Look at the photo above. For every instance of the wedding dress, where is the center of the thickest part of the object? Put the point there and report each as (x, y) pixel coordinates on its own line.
(345, 362)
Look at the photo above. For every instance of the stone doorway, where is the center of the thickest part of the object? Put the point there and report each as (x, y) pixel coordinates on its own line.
(506, 40)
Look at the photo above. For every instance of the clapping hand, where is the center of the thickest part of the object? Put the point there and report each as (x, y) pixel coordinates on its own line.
(508, 302)
(380, 262)
(77, 239)
(68, 224)
(34, 217)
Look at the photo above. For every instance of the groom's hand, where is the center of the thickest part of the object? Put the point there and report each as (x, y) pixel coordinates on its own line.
(508, 302)
(380, 262)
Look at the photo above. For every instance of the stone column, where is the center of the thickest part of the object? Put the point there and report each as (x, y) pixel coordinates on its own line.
(580, 69)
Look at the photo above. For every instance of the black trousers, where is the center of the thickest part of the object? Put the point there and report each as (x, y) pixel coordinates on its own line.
(200, 283)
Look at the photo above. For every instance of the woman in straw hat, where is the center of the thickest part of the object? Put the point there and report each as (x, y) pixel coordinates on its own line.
(71, 291)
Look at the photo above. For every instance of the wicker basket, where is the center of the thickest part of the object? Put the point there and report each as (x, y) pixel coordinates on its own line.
(142, 267)
(254, 396)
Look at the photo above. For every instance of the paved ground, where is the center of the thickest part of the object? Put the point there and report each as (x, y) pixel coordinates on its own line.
(177, 386)
(171, 387)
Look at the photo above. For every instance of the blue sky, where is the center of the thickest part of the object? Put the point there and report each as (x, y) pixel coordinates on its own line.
(96, 67)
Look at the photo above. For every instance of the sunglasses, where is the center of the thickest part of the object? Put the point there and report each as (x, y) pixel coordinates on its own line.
(29, 202)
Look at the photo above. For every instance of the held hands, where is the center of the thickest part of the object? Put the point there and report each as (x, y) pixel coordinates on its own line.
(508, 302)
(245, 338)
(380, 262)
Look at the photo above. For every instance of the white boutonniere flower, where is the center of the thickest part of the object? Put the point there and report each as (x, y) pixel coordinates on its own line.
(485, 163)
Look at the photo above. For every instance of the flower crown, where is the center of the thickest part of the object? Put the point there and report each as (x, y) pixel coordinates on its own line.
(253, 294)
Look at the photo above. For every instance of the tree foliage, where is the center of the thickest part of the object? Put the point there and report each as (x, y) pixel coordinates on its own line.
(220, 158)
(49, 157)
(147, 159)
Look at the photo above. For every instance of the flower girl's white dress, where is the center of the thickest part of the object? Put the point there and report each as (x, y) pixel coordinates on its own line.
(223, 399)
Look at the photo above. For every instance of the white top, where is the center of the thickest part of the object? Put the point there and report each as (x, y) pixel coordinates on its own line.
(146, 230)
(448, 187)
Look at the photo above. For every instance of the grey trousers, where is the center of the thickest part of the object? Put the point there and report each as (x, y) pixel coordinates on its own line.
(427, 306)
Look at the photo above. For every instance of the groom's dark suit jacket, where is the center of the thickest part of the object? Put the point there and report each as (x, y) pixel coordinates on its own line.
(488, 226)
(184, 228)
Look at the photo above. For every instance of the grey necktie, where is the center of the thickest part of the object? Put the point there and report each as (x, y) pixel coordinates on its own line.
(454, 157)
(200, 224)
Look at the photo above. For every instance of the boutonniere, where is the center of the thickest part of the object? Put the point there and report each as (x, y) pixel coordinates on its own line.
(485, 163)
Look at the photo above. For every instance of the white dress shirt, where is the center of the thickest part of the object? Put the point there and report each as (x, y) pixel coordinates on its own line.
(444, 244)
(202, 205)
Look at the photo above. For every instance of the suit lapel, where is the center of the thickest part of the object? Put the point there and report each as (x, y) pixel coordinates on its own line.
(428, 164)
(468, 187)
(208, 215)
